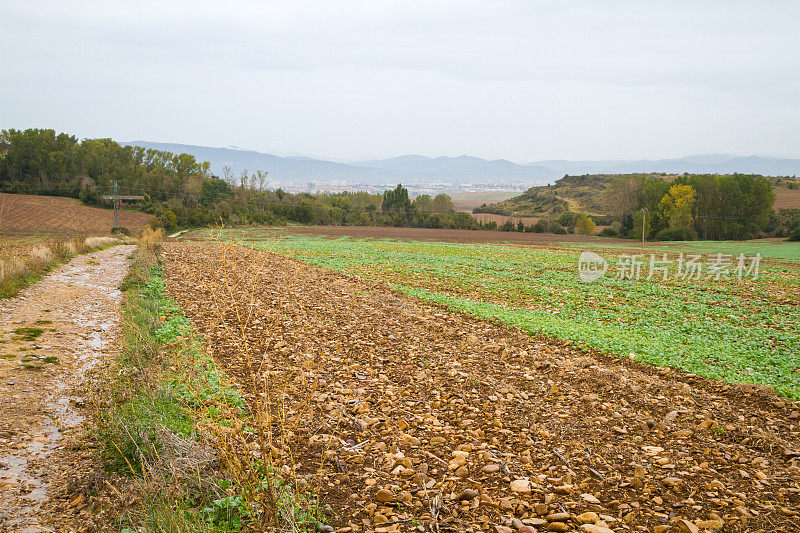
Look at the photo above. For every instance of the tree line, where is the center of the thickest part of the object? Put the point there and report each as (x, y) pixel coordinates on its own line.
(181, 191)
(692, 206)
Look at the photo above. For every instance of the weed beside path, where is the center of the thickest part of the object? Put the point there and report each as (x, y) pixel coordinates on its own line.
(175, 432)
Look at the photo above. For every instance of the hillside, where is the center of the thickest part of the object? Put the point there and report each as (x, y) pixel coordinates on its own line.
(580, 194)
(24, 214)
(584, 194)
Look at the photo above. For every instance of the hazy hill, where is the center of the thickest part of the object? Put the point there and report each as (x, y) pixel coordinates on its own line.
(296, 169)
(693, 164)
(580, 194)
(584, 194)
(461, 170)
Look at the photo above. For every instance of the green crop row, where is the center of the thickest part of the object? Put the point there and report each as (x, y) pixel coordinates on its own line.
(736, 330)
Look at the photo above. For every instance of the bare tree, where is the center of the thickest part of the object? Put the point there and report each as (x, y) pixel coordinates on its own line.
(621, 195)
(227, 174)
(262, 179)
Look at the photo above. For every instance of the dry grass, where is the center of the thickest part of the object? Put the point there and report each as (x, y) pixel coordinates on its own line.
(198, 456)
(101, 242)
(262, 460)
(21, 264)
(258, 451)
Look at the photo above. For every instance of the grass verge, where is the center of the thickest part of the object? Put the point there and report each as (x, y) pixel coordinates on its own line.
(176, 428)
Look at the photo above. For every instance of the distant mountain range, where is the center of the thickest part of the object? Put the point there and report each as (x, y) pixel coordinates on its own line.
(462, 170)
(290, 169)
(694, 164)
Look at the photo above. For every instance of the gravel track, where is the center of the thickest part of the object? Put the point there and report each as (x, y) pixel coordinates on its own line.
(43, 386)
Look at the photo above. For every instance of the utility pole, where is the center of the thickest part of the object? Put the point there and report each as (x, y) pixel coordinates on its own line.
(117, 199)
(644, 222)
(116, 204)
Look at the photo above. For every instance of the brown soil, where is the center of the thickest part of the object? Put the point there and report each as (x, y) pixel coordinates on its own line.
(787, 199)
(502, 219)
(449, 235)
(73, 313)
(403, 415)
(30, 214)
(467, 201)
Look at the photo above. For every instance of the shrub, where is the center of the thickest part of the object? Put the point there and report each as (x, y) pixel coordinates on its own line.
(567, 218)
(608, 232)
(584, 225)
(675, 235)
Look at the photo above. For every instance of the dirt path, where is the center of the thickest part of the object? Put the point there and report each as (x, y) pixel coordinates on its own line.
(406, 416)
(50, 336)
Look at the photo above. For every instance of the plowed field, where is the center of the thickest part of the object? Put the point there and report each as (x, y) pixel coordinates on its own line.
(404, 416)
(24, 214)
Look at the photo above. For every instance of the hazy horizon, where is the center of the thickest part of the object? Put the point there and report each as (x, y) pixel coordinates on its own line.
(353, 81)
(431, 156)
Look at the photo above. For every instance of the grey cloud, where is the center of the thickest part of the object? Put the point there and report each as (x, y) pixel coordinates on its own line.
(397, 77)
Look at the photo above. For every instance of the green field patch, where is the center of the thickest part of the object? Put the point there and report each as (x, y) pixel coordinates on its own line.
(772, 248)
(739, 331)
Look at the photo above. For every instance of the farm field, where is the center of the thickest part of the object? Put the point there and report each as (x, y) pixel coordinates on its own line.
(786, 198)
(446, 235)
(467, 201)
(24, 216)
(738, 331)
(776, 249)
(400, 414)
(502, 219)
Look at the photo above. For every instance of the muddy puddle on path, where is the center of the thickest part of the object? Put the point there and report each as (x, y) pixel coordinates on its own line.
(50, 337)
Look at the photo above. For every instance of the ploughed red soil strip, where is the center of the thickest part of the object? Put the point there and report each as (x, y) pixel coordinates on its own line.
(502, 219)
(449, 235)
(402, 415)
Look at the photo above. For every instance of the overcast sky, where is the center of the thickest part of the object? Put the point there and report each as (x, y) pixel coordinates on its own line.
(520, 80)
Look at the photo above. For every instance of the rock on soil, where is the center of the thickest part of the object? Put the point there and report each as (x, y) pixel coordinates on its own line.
(396, 408)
